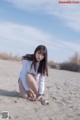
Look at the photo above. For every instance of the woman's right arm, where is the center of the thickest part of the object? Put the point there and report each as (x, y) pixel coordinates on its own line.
(25, 67)
(23, 73)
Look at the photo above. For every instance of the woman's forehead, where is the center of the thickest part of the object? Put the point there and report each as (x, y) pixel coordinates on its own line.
(40, 51)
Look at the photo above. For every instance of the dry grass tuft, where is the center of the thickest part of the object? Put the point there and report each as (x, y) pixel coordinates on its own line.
(6, 56)
(53, 64)
(73, 64)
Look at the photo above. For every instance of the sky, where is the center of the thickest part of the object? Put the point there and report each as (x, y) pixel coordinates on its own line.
(25, 24)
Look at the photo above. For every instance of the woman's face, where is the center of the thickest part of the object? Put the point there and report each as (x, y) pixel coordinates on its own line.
(39, 56)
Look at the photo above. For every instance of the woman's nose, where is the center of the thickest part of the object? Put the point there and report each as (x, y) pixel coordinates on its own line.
(40, 57)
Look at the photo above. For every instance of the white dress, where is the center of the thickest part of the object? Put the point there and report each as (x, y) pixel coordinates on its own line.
(25, 70)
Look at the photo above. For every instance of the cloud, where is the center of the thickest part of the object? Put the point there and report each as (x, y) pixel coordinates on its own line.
(31, 36)
(28, 35)
(73, 46)
(23, 33)
(69, 13)
(16, 38)
(30, 4)
(70, 16)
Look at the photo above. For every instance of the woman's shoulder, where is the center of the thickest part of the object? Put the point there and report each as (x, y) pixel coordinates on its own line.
(26, 61)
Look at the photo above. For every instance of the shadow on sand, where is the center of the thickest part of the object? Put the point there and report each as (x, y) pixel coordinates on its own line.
(9, 93)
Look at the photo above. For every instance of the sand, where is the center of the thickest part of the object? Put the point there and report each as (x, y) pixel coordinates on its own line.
(62, 90)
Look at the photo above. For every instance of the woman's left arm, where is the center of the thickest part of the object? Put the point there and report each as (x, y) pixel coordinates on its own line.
(41, 84)
(41, 87)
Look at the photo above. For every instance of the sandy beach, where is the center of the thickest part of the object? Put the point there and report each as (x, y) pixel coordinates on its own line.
(62, 90)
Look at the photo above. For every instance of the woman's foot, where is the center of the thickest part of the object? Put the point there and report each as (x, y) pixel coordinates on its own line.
(25, 96)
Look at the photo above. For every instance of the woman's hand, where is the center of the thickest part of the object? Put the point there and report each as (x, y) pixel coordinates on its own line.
(39, 97)
(31, 95)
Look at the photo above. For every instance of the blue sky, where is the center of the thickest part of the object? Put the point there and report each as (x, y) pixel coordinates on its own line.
(26, 24)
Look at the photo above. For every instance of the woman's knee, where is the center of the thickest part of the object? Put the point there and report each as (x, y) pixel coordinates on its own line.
(29, 76)
(25, 95)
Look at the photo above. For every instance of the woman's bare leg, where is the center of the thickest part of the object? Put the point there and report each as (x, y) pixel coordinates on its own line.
(23, 92)
(31, 81)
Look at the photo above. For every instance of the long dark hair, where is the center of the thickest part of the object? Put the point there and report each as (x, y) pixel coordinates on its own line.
(43, 68)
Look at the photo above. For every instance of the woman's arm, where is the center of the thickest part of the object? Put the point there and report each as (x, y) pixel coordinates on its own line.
(41, 84)
(23, 73)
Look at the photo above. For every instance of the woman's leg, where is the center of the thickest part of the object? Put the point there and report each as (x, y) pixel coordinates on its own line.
(23, 92)
(31, 81)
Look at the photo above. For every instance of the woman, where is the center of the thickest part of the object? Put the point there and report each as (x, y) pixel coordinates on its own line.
(32, 76)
